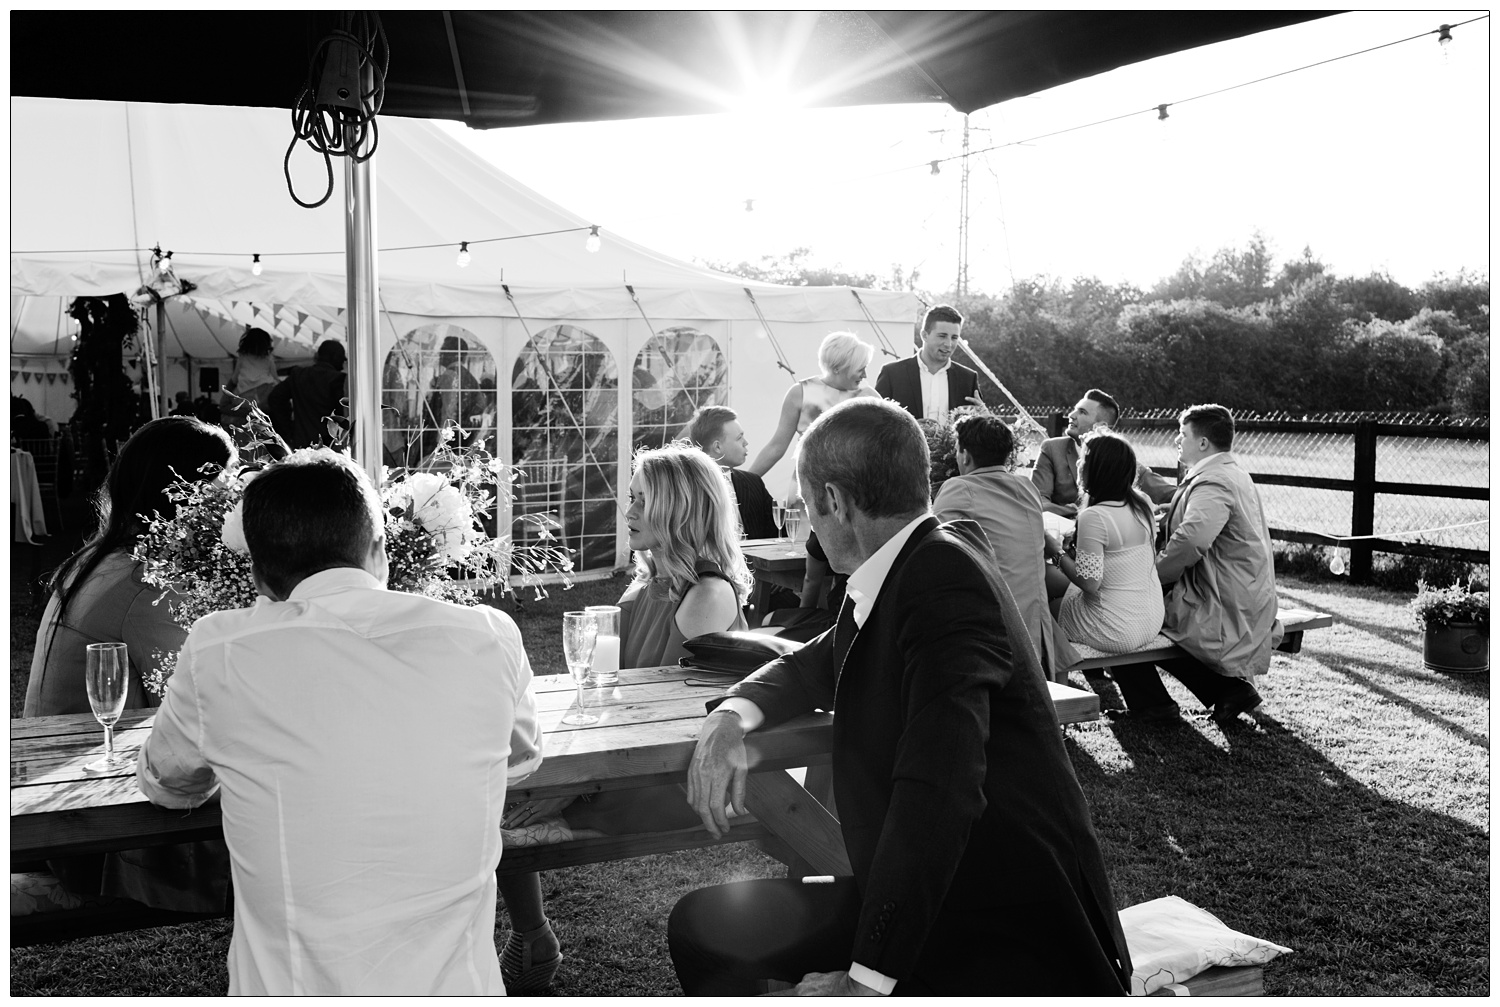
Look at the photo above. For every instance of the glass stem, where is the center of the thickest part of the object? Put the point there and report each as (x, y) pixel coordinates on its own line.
(109, 742)
(580, 697)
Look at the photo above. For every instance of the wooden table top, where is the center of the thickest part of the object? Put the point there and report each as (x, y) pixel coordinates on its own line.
(645, 736)
(772, 554)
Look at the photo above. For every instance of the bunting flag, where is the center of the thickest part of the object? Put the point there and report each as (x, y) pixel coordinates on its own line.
(63, 378)
(301, 319)
(14, 375)
(52, 379)
(25, 377)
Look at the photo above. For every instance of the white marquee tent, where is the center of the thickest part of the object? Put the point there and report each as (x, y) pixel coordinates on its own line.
(572, 358)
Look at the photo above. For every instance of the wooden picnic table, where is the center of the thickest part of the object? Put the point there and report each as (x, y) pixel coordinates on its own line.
(645, 736)
(775, 563)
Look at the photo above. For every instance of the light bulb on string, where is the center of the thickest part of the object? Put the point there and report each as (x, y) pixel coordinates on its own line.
(1445, 41)
(592, 242)
(463, 254)
(749, 205)
(255, 266)
(935, 169)
(1336, 565)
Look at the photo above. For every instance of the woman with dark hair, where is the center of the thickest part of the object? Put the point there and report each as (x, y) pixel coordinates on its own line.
(97, 596)
(253, 378)
(1109, 598)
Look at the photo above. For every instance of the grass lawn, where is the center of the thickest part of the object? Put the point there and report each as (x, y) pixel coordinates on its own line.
(1350, 823)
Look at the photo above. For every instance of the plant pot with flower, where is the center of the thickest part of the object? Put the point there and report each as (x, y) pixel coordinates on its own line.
(1456, 627)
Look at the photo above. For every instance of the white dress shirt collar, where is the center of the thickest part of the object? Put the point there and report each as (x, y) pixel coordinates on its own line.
(865, 582)
(340, 578)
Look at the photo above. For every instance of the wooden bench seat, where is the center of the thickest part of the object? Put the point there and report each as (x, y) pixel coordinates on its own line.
(1295, 621)
(1220, 981)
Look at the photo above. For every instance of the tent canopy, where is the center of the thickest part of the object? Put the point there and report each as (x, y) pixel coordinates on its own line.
(206, 184)
(516, 67)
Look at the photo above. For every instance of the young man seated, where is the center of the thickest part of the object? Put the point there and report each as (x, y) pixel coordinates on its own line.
(362, 740)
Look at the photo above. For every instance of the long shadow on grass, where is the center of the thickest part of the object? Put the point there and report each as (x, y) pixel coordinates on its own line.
(1341, 668)
(1320, 602)
(1375, 896)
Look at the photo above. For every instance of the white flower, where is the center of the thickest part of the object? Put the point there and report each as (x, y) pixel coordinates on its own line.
(233, 532)
(440, 510)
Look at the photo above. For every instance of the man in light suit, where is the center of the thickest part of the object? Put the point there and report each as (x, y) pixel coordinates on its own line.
(1007, 507)
(976, 867)
(929, 383)
(1221, 590)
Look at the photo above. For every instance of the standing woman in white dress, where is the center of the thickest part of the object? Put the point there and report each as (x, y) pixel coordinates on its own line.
(1111, 597)
(844, 357)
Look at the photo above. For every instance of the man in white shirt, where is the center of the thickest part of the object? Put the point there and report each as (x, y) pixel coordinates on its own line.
(929, 384)
(361, 740)
(976, 867)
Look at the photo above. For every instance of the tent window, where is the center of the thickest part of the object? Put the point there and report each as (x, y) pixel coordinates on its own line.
(678, 370)
(565, 442)
(436, 376)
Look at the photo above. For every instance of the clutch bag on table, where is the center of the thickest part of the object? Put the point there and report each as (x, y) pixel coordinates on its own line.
(734, 652)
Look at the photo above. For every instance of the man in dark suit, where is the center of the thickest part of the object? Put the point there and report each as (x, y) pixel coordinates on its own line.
(1056, 473)
(717, 430)
(300, 405)
(976, 867)
(929, 383)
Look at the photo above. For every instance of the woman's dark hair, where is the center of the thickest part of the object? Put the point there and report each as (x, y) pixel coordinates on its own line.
(1107, 473)
(150, 461)
(255, 343)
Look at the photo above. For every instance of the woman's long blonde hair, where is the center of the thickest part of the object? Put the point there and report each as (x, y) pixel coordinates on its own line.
(690, 510)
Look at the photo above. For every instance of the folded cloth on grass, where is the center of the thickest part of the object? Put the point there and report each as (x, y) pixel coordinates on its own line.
(1172, 940)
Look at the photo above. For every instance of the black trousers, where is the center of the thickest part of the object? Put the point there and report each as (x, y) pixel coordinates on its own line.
(1142, 688)
(726, 940)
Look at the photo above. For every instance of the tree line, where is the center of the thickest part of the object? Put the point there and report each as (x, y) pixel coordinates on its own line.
(1232, 329)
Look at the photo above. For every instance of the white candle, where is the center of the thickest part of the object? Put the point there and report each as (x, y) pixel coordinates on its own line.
(606, 664)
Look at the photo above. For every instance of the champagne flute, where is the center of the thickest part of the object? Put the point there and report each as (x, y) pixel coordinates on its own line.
(793, 520)
(107, 677)
(580, 633)
(776, 513)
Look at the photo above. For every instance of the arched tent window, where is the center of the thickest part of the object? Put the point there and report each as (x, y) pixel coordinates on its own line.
(436, 376)
(565, 441)
(678, 370)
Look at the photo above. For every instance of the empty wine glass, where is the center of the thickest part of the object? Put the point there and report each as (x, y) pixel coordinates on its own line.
(580, 633)
(776, 513)
(107, 676)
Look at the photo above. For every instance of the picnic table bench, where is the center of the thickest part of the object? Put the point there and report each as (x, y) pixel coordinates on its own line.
(1295, 621)
(645, 737)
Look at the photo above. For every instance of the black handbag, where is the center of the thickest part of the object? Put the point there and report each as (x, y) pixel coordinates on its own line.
(734, 652)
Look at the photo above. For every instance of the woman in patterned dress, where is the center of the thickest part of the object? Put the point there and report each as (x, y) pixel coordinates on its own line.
(1109, 598)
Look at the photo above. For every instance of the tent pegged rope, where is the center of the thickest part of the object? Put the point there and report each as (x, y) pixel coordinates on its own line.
(885, 344)
(1024, 417)
(780, 357)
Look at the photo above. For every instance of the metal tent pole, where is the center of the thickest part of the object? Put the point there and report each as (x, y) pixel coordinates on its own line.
(363, 334)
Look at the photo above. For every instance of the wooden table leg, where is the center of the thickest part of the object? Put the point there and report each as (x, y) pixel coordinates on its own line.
(799, 820)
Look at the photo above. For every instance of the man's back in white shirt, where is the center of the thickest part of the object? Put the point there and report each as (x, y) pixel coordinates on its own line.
(363, 740)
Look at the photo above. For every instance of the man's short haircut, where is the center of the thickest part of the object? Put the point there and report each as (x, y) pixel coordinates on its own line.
(313, 511)
(707, 425)
(874, 451)
(331, 351)
(941, 313)
(1111, 412)
(844, 351)
(1211, 421)
(987, 439)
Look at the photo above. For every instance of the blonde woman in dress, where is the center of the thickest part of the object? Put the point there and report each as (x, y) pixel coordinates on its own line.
(1110, 597)
(844, 358)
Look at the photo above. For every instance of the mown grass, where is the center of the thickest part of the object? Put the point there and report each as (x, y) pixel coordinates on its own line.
(1350, 823)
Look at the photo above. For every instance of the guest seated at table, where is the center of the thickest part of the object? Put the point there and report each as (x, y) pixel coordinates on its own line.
(1056, 473)
(362, 741)
(690, 579)
(844, 357)
(1009, 510)
(821, 599)
(1108, 597)
(717, 431)
(97, 596)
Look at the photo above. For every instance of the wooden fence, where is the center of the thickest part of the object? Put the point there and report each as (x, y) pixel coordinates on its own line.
(1361, 540)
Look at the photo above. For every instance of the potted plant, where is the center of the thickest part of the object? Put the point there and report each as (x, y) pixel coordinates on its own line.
(1456, 625)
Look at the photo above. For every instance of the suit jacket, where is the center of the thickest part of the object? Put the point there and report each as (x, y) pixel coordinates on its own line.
(299, 405)
(1007, 507)
(1221, 589)
(754, 502)
(901, 381)
(956, 799)
(1056, 474)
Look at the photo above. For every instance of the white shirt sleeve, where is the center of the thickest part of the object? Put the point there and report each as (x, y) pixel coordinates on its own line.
(526, 731)
(751, 716)
(172, 771)
(869, 977)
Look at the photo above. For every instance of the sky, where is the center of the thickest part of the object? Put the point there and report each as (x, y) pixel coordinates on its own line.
(1378, 162)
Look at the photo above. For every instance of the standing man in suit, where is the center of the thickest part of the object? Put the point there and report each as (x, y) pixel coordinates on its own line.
(929, 383)
(976, 866)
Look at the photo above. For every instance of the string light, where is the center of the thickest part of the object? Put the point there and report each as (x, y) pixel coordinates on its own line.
(592, 242)
(255, 267)
(1161, 112)
(936, 169)
(463, 254)
(749, 205)
(1445, 40)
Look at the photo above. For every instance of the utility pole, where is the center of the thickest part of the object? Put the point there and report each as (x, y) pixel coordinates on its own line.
(962, 286)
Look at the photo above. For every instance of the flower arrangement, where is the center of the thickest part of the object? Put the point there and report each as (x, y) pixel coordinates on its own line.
(434, 532)
(1436, 607)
